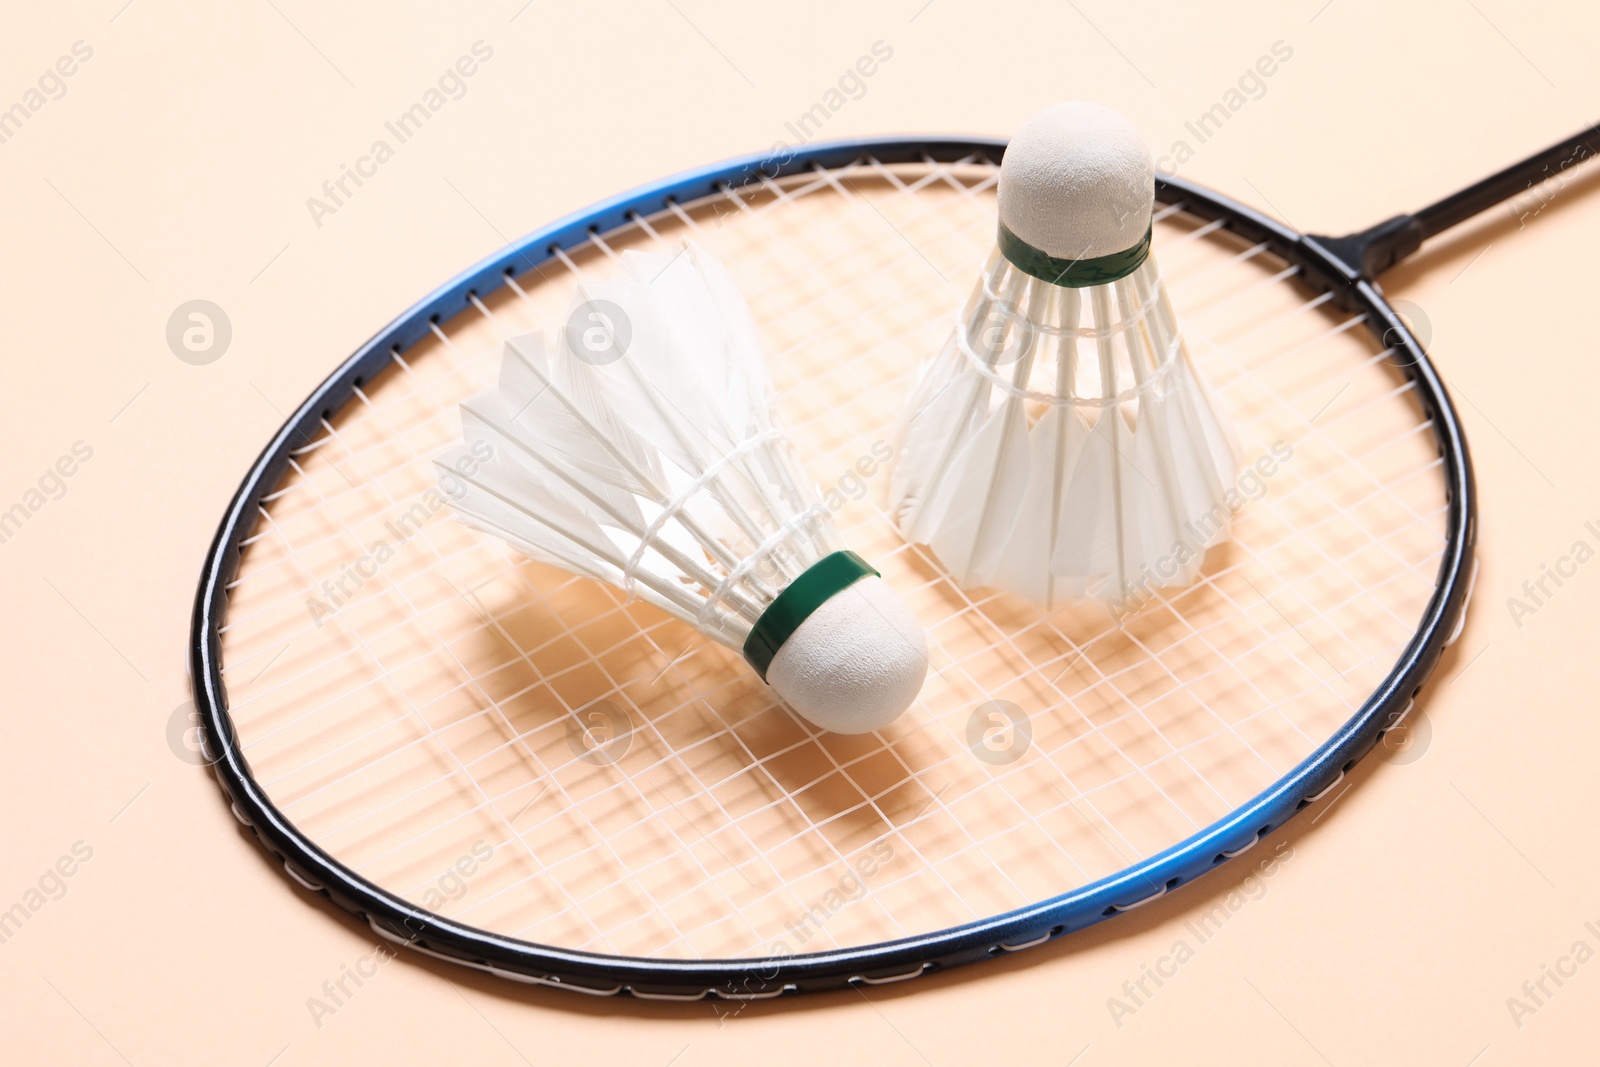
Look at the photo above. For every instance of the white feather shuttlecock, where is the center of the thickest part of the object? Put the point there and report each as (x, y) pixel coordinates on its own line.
(641, 452)
(1062, 444)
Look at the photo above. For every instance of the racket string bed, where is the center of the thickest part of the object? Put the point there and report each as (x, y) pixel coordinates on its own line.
(440, 704)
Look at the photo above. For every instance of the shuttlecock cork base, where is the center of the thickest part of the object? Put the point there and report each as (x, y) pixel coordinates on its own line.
(840, 647)
(1061, 444)
(650, 461)
(1077, 187)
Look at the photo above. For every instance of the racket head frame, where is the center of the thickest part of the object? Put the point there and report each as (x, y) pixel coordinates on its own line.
(401, 922)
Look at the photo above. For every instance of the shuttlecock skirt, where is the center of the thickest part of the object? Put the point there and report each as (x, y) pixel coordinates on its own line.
(1062, 444)
(638, 449)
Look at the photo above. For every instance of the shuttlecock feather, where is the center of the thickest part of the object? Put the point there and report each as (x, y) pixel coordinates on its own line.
(638, 449)
(1062, 444)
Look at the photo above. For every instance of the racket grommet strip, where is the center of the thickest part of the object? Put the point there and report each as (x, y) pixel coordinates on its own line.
(1400, 719)
(1157, 895)
(1242, 849)
(304, 880)
(889, 979)
(1325, 790)
(753, 994)
(645, 994)
(1461, 622)
(1018, 946)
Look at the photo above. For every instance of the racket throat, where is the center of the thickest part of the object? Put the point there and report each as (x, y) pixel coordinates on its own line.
(1365, 255)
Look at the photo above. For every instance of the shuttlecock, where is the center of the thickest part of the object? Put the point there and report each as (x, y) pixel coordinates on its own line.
(1061, 444)
(640, 451)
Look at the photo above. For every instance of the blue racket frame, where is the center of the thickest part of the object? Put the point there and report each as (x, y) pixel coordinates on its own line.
(1342, 266)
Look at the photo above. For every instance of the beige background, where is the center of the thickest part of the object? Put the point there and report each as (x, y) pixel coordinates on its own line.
(177, 166)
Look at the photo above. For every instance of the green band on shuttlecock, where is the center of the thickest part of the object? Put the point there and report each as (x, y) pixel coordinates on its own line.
(815, 587)
(1072, 273)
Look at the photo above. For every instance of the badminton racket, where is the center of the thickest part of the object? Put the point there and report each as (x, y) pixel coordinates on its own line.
(501, 765)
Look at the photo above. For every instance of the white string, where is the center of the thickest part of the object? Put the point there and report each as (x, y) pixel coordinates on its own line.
(677, 503)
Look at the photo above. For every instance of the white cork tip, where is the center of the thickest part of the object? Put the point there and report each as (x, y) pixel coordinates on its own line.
(856, 663)
(1077, 182)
